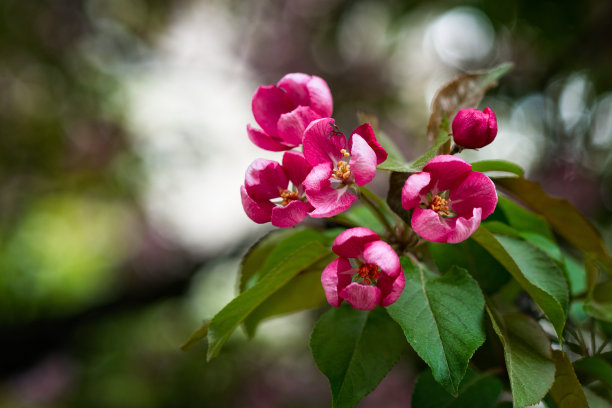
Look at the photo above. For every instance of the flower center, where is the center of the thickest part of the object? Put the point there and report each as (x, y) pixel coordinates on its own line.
(343, 169)
(440, 205)
(369, 273)
(288, 196)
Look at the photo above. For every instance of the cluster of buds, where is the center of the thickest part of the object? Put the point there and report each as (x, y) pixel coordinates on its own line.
(322, 172)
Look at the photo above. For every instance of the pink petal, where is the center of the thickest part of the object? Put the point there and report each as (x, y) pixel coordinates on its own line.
(335, 277)
(327, 201)
(366, 131)
(362, 297)
(265, 141)
(290, 214)
(351, 243)
(320, 145)
(447, 171)
(291, 125)
(265, 179)
(462, 228)
(473, 128)
(258, 211)
(416, 185)
(380, 253)
(391, 288)
(363, 161)
(320, 97)
(296, 167)
(268, 104)
(296, 86)
(477, 190)
(429, 225)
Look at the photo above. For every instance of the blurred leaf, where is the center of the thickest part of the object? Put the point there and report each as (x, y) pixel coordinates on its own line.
(394, 195)
(355, 349)
(497, 165)
(566, 390)
(528, 356)
(196, 336)
(464, 91)
(290, 260)
(594, 368)
(360, 215)
(302, 292)
(489, 273)
(534, 271)
(599, 301)
(594, 400)
(441, 317)
(564, 218)
(475, 391)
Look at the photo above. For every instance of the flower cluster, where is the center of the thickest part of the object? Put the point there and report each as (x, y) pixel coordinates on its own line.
(323, 172)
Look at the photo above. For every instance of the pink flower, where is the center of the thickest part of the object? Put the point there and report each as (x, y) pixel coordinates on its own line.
(331, 185)
(267, 180)
(367, 272)
(473, 128)
(284, 110)
(449, 199)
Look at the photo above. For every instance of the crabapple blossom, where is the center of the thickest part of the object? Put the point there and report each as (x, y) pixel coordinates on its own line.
(473, 128)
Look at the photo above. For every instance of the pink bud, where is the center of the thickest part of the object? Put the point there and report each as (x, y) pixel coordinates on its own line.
(473, 129)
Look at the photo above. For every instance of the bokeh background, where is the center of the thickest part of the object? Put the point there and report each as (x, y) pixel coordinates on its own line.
(123, 146)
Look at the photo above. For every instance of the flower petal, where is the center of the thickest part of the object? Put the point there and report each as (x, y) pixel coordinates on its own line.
(265, 179)
(462, 228)
(362, 297)
(447, 171)
(477, 190)
(380, 253)
(429, 225)
(320, 96)
(296, 86)
(263, 140)
(330, 201)
(268, 104)
(291, 125)
(416, 185)
(296, 167)
(321, 145)
(290, 214)
(391, 288)
(367, 133)
(335, 277)
(351, 243)
(258, 211)
(363, 161)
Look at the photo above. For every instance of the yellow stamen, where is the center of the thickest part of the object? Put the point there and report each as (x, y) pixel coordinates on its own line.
(288, 196)
(342, 172)
(440, 206)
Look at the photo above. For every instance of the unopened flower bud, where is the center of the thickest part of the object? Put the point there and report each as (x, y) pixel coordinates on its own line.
(473, 129)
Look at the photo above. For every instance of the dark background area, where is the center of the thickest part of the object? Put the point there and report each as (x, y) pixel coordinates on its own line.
(123, 144)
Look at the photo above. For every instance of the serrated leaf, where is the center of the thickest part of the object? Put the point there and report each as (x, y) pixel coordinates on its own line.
(528, 357)
(196, 336)
(464, 91)
(484, 166)
(534, 271)
(475, 391)
(562, 216)
(355, 349)
(566, 391)
(301, 293)
(441, 317)
(226, 321)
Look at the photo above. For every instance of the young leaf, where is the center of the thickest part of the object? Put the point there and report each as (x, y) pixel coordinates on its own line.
(484, 166)
(566, 390)
(565, 219)
(355, 349)
(599, 301)
(196, 336)
(226, 321)
(475, 391)
(534, 271)
(442, 319)
(465, 91)
(395, 164)
(528, 357)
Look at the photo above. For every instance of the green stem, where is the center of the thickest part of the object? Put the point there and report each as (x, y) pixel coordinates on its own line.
(378, 214)
(381, 203)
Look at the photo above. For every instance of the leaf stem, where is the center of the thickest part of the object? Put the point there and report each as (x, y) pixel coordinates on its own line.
(378, 213)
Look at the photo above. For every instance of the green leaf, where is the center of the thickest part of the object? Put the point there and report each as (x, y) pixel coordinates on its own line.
(537, 274)
(528, 356)
(302, 292)
(464, 91)
(360, 215)
(196, 336)
(566, 390)
(598, 303)
(285, 268)
(487, 271)
(590, 369)
(394, 195)
(355, 349)
(497, 165)
(475, 391)
(595, 401)
(564, 218)
(441, 317)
